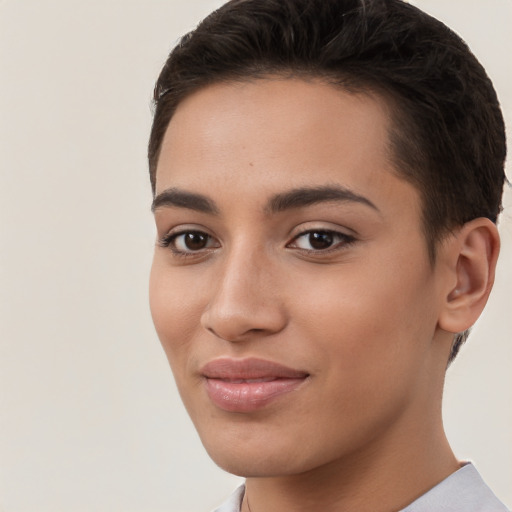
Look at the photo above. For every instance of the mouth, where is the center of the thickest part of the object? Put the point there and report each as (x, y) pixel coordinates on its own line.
(246, 385)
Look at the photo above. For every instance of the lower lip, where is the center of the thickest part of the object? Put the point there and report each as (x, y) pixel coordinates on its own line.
(248, 396)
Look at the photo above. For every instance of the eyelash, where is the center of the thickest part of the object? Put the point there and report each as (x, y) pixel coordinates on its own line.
(168, 241)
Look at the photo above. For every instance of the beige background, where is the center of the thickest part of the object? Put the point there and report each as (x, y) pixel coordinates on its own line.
(89, 417)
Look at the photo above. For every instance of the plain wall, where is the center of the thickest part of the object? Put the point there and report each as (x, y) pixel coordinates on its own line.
(89, 416)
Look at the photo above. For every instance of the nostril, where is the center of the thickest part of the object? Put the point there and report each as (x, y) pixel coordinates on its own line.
(236, 335)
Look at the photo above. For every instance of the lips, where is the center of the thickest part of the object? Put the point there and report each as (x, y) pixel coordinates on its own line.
(246, 385)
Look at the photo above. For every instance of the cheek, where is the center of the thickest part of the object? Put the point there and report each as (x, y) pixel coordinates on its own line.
(369, 318)
(174, 309)
(369, 344)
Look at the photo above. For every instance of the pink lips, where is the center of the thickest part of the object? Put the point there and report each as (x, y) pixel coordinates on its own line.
(245, 385)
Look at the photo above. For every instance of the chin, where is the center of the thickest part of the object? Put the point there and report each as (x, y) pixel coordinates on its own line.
(242, 459)
(266, 458)
(252, 466)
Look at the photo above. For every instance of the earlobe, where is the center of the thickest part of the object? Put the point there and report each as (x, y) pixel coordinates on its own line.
(472, 256)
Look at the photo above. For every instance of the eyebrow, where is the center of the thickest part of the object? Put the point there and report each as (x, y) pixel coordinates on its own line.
(295, 198)
(307, 196)
(182, 199)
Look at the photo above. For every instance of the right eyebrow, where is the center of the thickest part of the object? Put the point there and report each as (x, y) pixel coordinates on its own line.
(174, 197)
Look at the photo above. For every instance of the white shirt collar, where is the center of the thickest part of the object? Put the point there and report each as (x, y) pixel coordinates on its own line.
(463, 490)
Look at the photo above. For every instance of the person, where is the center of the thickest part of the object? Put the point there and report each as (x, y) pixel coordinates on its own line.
(327, 178)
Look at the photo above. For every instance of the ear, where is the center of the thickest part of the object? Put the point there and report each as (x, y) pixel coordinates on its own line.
(471, 254)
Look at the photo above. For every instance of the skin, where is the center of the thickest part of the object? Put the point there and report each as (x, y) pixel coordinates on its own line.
(369, 318)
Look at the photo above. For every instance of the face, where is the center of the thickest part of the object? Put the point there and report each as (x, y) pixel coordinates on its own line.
(291, 287)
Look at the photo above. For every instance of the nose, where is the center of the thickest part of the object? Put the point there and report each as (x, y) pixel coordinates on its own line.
(245, 299)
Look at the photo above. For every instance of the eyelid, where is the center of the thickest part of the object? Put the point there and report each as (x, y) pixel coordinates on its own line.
(183, 228)
(323, 225)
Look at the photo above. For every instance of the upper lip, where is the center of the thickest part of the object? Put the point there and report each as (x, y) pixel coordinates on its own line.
(226, 368)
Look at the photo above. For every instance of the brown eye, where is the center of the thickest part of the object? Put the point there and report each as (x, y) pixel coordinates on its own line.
(188, 242)
(195, 241)
(320, 240)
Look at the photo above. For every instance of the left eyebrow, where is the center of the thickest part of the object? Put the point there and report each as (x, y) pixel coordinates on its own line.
(307, 196)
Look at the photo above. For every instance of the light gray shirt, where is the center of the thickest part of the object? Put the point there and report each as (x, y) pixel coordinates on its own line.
(462, 491)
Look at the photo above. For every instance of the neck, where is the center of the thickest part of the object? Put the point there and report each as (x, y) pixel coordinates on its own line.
(386, 475)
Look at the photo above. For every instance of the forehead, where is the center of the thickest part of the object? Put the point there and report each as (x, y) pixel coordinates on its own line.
(262, 135)
(268, 105)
